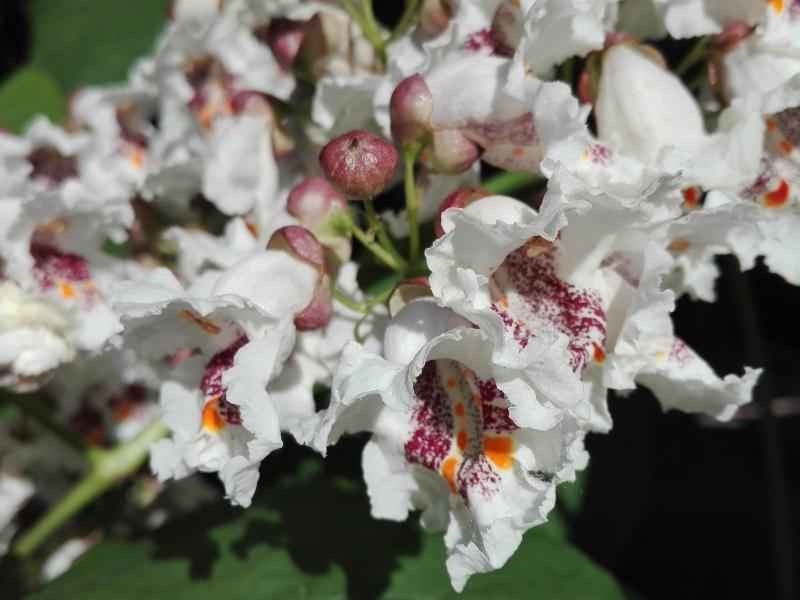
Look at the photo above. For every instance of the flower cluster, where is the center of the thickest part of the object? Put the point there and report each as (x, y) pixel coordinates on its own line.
(186, 248)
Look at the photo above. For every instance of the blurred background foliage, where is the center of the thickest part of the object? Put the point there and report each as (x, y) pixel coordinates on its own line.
(672, 506)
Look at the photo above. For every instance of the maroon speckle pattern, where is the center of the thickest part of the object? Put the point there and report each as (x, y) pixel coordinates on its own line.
(761, 184)
(680, 352)
(433, 419)
(485, 39)
(49, 164)
(436, 424)
(601, 155)
(794, 10)
(211, 382)
(51, 264)
(537, 298)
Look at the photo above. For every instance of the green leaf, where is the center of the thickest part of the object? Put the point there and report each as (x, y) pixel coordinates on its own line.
(28, 92)
(309, 535)
(85, 42)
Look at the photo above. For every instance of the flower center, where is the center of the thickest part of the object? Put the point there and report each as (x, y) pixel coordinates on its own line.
(217, 411)
(461, 428)
(529, 296)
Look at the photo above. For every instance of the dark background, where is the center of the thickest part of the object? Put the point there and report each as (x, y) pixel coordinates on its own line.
(674, 505)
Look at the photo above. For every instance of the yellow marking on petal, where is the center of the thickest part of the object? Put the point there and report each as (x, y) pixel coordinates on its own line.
(679, 244)
(503, 302)
(205, 116)
(660, 355)
(450, 383)
(252, 227)
(599, 354)
(770, 123)
(498, 449)
(66, 289)
(777, 5)
(137, 156)
(459, 409)
(785, 146)
(461, 439)
(195, 319)
(587, 154)
(211, 419)
(778, 196)
(449, 472)
(517, 151)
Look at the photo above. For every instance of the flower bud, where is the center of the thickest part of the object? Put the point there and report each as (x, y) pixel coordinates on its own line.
(322, 36)
(316, 205)
(359, 164)
(406, 291)
(434, 16)
(410, 109)
(284, 37)
(301, 243)
(451, 152)
(462, 197)
(642, 108)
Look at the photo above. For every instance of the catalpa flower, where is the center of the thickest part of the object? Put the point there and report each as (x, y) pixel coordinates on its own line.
(445, 438)
(222, 353)
(598, 283)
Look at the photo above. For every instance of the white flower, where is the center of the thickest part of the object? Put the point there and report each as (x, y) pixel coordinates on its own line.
(226, 348)
(555, 31)
(598, 284)
(690, 18)
(445, 438)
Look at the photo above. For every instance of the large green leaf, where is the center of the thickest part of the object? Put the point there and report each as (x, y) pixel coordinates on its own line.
(93, 41)
(30, 91)
(309, 535)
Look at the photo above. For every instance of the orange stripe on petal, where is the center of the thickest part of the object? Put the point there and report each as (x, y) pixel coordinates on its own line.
(195, 319)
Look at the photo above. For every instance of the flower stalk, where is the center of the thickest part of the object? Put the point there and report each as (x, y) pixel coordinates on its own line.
(412, 204)
(108, 467)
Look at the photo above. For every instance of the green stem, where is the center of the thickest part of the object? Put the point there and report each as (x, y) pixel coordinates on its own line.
(31, 407)
(407, 19)
(694, 55)
(347, 301)
(412, 203)
(510, 181)
(363, 15)
(108, 467)
(376, 225)
(379, 253)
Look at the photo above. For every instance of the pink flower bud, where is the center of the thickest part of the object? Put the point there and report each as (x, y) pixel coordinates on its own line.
(451, 152)
(316, 205)
(301, 243)
(312, 200)
(359, 164)
(462, 197)
(284, 37)
(731, 35)
(410, 108)
(406, 291)
(434, 16)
